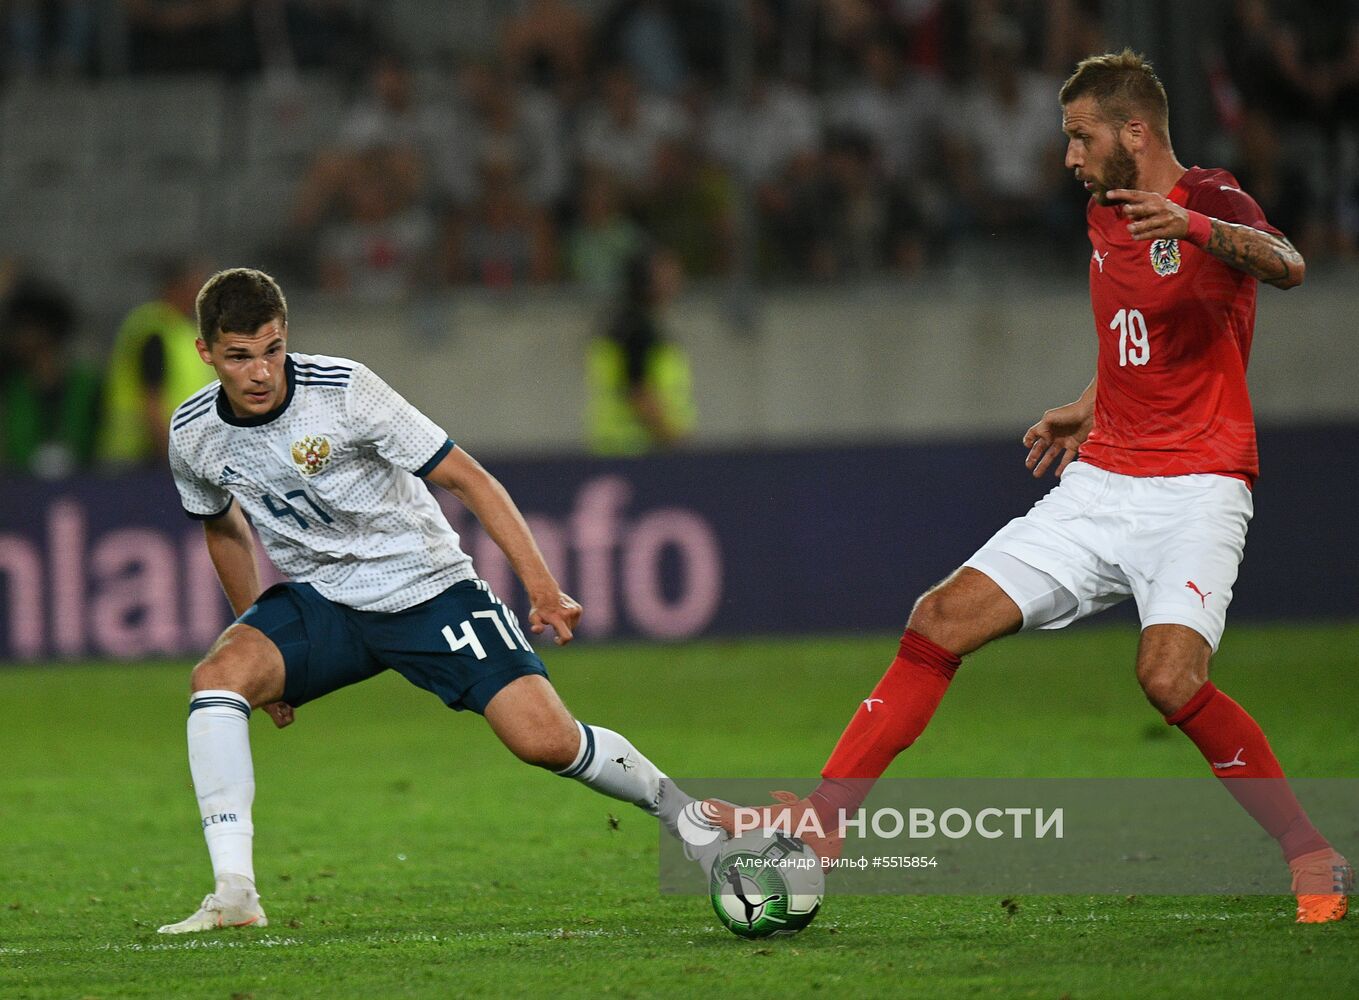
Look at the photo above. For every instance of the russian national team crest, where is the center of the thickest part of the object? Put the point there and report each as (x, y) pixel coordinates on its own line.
(1165, 257)
(311, 454)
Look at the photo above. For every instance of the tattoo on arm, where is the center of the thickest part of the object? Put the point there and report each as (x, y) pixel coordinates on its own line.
(1268, 258)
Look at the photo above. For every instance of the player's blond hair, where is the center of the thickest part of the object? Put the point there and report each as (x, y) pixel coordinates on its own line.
(1124, 86)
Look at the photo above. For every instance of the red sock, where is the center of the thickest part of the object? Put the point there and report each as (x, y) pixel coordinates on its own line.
(887, 722)
(1233, 743)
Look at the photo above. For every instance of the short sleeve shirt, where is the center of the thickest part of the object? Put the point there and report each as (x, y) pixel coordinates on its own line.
(330, 480)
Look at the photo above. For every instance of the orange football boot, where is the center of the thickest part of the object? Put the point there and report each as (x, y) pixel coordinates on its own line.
(1322, 881)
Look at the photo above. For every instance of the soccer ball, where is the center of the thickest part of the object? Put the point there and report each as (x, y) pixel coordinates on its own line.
(765, 883)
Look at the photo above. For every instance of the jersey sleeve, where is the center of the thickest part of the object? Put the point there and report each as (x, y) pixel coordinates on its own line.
(1231, 204)
(380, 416)
(202, 500)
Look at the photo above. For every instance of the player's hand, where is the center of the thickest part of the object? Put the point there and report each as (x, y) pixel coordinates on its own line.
(1151, 216)
(280, 712)
(558, 610)
(1057, 438)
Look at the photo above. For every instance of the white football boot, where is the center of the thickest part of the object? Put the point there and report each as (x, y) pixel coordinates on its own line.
(236, 907)
(685, 819)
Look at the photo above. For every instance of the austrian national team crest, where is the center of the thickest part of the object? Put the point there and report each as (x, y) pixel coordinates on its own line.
(1165, 257)
(311, 454)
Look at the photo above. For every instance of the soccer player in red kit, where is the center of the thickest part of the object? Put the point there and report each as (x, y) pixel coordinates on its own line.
(1156, 463)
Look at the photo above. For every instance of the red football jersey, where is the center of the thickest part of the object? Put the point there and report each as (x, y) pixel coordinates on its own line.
(1174, 326)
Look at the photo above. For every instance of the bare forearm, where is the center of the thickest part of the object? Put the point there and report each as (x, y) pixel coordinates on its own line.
(1264, 256)
(496, 511)
(232, 550)
(1087, 399)
(482, 494)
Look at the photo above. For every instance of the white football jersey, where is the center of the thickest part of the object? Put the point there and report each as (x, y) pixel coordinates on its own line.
(331, 482)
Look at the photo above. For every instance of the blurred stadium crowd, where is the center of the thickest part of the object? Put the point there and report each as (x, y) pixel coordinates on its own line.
(391, 150)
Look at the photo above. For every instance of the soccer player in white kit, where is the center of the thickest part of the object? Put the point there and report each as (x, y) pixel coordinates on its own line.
(327, 460)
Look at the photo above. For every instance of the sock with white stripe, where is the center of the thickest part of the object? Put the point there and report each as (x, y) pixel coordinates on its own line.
(609, 764)
(224, 780)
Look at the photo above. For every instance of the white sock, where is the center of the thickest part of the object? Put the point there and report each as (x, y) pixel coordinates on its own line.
(224, 779)
(608, 763)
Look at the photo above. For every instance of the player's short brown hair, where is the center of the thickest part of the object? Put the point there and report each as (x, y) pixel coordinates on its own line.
(239, 300)
(1125, 86)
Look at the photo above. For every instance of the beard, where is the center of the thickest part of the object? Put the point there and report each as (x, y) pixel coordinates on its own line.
(1119, 172)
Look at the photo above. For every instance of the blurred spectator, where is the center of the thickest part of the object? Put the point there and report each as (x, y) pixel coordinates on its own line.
(771, 141)
(381, 247)
(622, 129)
(503, 240)
(689, 208)
(49, 403)
(1298, 65)
(855, 233)
(901, 113)
(389, 125)
(153, 368)
(646, 37)
(42, 37)
(847, 28)
(604, 237)
(547, 45)
(192, 36)
(1073, 31)
(664, 43)
(1005, 148)
(510, 125)
(794, 214)
(641, 394)
(331, 35)
(898, 110)
(760, 137)
(1279, 186)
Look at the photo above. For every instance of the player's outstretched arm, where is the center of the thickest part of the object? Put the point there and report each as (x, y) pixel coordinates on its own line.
(463, 476)
(1264, 256)
(1060, 433)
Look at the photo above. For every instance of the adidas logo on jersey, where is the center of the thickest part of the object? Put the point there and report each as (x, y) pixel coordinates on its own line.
(229, 477)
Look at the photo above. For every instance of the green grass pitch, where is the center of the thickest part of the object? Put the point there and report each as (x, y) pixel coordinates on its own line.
(403, 853)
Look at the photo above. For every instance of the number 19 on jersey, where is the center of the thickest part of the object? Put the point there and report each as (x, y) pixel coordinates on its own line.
(1134, 346)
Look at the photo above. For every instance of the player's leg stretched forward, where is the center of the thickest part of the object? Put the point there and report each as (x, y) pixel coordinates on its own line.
(969, 610)
(954, 618)
(1172, 667)
(529, 718)
(246, 669)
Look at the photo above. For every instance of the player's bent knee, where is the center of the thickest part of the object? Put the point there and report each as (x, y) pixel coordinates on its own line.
(931, 612)
(243, 660)
(550, 749)
(1167, 688)
(965, 612)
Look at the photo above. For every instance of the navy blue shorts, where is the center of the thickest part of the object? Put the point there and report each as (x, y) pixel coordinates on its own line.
(463, 645)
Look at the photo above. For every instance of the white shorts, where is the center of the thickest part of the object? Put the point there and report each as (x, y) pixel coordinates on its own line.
(1173, 543)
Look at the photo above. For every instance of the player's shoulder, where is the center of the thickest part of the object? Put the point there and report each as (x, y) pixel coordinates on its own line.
(1212, 188)
(323, 369)
(1210, 178)
(195, 408)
